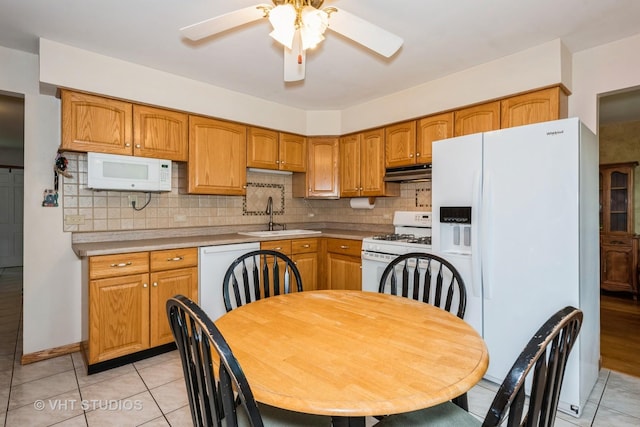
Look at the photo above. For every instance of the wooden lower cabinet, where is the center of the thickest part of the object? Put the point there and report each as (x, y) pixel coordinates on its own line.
(127, 296)
(619, 264)
(344, 264)
(118, 317)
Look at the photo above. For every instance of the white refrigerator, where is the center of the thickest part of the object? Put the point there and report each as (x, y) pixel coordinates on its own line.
(516, 211)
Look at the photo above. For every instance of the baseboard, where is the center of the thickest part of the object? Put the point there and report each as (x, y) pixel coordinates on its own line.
(49, 354)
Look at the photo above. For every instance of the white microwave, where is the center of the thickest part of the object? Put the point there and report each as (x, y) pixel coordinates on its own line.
(127, 173)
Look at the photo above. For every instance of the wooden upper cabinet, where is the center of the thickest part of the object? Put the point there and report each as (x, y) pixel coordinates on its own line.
(94, 123)
(292, 152)
(429, 129)
(479, 118)
(534, 107)
(262, 148)
(321, 180)
(400, 144)
(217, 157)
(160, 133)
(268, 149)
(350, 165)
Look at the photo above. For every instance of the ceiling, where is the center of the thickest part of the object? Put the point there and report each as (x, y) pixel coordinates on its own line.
(440, 38)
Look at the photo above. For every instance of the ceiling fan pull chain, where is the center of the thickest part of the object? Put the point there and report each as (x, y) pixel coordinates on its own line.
(299, 59)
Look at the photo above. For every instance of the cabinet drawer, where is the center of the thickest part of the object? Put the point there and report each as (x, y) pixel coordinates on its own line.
(616, 240)
(174, 258)
(344, 246)
(303, 246)
(283, 246)
(118, 265)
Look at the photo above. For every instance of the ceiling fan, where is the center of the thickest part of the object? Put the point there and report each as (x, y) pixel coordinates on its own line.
(300, 25)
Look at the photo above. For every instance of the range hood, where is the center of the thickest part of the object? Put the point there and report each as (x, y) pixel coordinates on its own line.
(408, 173)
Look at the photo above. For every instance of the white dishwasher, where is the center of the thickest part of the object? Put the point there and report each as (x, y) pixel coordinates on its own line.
(213, 262)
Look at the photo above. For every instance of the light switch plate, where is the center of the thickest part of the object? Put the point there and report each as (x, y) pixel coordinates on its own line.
(74, 219)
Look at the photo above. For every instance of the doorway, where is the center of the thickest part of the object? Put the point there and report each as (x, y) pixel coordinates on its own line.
(11, 179)
(619, 136)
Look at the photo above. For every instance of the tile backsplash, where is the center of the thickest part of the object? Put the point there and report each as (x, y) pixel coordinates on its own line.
(111, 210)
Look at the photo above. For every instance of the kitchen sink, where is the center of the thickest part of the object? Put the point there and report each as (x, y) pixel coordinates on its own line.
(278, 233)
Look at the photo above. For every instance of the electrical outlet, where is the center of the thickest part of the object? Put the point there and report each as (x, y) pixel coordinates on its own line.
(180, 218)
(133, 200)
(386, 216)
(74, 219)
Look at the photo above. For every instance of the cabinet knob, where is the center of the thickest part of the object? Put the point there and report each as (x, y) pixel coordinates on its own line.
(410, 156)
(155, 284)
(417, 154)
(360, 188)
(306, 246)
(144, 285)
(344, 247)
(277, 249)
(178, 258)
(277, 162)
(137, 145)
(126, 144)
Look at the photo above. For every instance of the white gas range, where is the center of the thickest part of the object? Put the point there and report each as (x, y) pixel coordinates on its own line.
(412, 233)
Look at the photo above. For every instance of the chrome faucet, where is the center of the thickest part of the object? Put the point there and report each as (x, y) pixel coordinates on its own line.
(269, 212)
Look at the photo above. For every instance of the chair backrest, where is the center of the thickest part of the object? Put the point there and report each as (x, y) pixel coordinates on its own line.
(541, 364)
(436, 281)
(212, 394)
(259, 274)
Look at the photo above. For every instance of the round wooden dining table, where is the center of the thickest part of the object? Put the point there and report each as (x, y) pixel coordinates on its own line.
(353, 354)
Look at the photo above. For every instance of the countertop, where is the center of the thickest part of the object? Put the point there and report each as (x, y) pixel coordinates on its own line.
(86, 249)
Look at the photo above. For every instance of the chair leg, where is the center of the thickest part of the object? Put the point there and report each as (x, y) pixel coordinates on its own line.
(462, 401)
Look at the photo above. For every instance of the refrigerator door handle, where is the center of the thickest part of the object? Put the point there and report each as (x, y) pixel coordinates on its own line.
(476, 254)
(485, 218)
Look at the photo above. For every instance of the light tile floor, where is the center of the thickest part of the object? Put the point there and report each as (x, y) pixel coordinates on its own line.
(151, 392)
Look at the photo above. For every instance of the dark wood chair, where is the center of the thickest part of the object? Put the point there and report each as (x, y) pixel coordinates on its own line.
(436, 281)
(259, 274)
(222, 396)
(542, 364)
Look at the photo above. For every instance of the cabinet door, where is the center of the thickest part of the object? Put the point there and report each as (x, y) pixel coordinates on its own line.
(118, 316)
(164, 285)
(372, 168)
(160, 133)
(344, 264)
(429, 129)
(616, 198)
(617, 268)
(350, 166)
(321, 180)
(217, 157)
(307, 264)
(534, 107)
(94, 123)
(480, 118)
(400, 144)
(292, 152)
(262, 149)
(344, 272)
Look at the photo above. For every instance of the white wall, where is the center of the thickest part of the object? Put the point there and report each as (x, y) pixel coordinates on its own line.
(603, 69)
(52, 272)
(51, 269)
(66, 66)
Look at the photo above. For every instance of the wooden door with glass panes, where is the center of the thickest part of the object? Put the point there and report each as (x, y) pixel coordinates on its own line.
(616, 198)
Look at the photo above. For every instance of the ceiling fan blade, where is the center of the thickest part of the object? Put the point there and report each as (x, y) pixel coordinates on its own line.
(365, 33)
(294, 60)
(224, 22)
